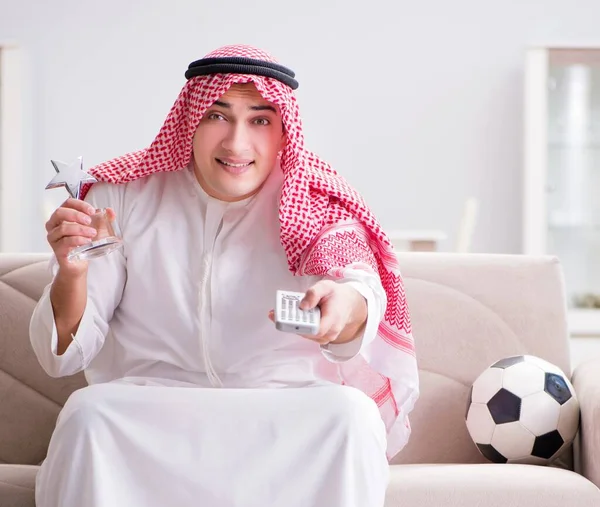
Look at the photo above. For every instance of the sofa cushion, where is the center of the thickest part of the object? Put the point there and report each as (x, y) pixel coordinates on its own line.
(29, 400)
(490, 485)
(17, 485)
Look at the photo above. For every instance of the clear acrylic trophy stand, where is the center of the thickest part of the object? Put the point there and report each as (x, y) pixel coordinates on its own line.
(107, 240)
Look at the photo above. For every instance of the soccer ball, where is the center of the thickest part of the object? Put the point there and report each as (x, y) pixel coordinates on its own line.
(522, 409)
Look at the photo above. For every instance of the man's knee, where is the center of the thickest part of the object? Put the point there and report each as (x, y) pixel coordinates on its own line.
(85, 406)
(358, 413)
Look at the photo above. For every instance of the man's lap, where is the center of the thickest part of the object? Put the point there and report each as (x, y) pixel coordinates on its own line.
(220, 440)
(342, 400)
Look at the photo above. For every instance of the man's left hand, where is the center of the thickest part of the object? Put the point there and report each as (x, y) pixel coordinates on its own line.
(343, 311)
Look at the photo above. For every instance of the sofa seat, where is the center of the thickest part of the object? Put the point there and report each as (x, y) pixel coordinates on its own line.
(418, 485)
(17, 485)
(488, 485)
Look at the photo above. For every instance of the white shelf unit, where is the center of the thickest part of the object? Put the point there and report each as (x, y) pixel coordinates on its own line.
(561, 213)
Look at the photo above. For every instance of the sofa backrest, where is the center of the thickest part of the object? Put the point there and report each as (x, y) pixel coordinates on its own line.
(468, 310)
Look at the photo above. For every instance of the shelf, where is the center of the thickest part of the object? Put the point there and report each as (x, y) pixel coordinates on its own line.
(576, 147)
(417, 235)
(584, 322)
(587, 226)
(558, 220)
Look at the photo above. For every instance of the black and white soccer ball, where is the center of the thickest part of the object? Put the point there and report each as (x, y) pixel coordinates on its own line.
(522, 409)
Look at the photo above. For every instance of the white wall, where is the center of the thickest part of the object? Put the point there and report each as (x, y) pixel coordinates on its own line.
(12, 183)
(418, 104)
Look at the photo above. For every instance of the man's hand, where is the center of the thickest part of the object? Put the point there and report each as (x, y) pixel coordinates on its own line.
(343, 311)
(68, 227)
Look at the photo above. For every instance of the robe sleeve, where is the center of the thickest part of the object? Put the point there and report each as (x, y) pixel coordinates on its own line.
(106, 281)
(369, 285)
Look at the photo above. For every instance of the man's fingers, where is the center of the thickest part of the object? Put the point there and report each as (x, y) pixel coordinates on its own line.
(63, 215)
(315, 294)
(63, 246)
(79, 205)
(72, 210)
(111, 214)
(330, 328)
(70, 229)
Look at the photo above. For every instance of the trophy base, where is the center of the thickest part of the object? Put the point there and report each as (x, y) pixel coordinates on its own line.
(95, 249)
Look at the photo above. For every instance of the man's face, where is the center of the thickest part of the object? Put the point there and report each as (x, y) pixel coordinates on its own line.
(236, 144)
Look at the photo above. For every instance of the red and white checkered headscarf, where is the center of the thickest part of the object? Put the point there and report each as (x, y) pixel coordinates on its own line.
(325, 227)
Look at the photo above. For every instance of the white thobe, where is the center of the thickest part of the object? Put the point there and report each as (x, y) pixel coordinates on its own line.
(184, 367)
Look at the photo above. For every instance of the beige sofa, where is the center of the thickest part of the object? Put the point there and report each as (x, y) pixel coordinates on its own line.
(468, 311)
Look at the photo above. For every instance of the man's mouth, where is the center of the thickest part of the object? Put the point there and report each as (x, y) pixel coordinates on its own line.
(235, 165)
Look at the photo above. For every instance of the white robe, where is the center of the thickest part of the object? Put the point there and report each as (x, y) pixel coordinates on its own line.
(184, 365)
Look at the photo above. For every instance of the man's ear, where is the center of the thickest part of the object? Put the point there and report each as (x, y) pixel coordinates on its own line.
(283, 141)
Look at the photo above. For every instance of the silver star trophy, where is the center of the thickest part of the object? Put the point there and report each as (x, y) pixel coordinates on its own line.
(107, 239)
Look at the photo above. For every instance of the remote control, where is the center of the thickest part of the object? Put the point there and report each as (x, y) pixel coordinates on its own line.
(290, 318)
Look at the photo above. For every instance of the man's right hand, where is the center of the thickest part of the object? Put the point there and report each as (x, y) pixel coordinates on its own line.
(69, 227)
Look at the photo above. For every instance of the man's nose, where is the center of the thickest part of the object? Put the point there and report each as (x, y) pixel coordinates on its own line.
(237, 139)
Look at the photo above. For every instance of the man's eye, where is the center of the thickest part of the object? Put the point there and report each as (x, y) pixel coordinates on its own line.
(262, 121)
(215, 116)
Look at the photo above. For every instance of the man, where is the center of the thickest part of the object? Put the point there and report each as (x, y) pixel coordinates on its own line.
(195, 397)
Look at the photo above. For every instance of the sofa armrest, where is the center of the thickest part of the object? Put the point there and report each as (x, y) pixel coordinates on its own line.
(586, 381)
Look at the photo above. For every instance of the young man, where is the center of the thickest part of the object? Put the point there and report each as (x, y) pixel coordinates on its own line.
(195, 397)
